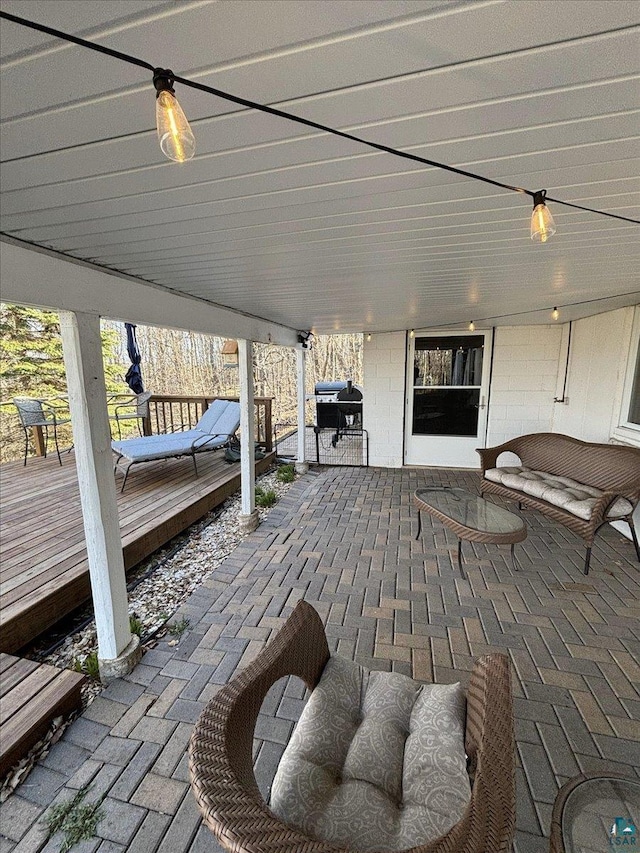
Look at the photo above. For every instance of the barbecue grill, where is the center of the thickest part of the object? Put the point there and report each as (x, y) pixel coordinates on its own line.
(338, 406)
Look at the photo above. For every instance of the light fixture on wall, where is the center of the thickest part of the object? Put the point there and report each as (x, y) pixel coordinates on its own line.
(542, 224)
(472, 326)
(174, 134)
(555, 314)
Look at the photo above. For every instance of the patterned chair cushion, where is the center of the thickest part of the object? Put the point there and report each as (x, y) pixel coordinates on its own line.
(376, 762)
(562, 492)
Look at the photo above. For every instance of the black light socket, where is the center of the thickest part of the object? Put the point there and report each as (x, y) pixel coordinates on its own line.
(539, 197)
(163, 80)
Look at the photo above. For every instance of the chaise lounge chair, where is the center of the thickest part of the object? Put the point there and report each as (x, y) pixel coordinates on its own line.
(215, 429)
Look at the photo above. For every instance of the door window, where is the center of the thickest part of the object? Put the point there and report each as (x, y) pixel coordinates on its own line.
(447, 375)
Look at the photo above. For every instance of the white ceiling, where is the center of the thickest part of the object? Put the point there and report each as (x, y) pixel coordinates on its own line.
(309, 230)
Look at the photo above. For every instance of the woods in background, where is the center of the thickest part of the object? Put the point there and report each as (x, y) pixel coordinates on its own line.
(173, 362)
(188, 363)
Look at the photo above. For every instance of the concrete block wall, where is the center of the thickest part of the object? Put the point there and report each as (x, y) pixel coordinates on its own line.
(599, 354)
(524, 378)
(528, 367)
(383, 409)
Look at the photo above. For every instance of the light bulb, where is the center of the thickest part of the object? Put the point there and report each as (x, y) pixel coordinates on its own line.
(412, 333)
(174, 134)
(555, 314)
(542, 224)
(368, 336)
(472, 326)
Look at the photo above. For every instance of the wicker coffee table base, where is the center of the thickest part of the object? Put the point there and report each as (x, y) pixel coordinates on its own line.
(468, 533)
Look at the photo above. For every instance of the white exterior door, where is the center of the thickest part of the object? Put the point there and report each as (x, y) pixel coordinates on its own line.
(447, 392)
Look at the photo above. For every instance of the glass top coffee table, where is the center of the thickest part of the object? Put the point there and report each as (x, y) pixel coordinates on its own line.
(596, 812)
(471, 518)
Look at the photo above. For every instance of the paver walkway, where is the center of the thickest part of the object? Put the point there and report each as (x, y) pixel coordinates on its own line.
(344, 540)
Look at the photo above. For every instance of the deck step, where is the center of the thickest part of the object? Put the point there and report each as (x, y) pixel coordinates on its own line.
(31, 696)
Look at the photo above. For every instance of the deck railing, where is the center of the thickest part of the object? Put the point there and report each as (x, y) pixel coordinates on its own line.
(172, 412)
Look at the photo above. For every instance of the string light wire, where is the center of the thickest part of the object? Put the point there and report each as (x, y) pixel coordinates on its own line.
(634, 293)
(245, 102)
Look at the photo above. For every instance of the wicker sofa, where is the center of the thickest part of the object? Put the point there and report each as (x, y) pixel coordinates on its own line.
(579, 484)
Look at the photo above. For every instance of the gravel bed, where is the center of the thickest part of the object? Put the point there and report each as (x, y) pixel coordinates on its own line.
(156, 589)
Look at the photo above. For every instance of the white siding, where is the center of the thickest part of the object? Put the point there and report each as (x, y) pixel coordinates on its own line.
(383, 403)
(525, 372)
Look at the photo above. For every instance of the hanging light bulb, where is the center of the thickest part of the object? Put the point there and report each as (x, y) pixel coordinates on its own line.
(472, 326)
(555, 314)
(174, 134)
(412, 333)
(368, 336)
(542, 224)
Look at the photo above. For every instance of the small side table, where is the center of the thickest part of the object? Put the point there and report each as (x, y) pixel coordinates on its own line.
(594, 813)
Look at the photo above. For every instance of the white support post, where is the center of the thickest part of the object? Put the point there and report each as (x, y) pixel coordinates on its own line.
(302, 466)
(118, 651)
(249, 514)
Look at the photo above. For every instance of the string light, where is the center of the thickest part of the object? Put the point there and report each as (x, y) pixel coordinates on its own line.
(555, 314)
(541, 229)
(542, 224)
(472, 326)
(174, 134)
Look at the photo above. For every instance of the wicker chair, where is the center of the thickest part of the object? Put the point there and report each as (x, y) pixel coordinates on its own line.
(221, 767)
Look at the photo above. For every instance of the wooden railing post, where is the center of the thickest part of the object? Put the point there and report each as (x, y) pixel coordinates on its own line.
(268, 425)
(38, 440)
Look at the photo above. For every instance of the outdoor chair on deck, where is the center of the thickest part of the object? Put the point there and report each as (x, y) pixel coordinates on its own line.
(39, 413)
(126, 409)
(215, 429)
(377, 762)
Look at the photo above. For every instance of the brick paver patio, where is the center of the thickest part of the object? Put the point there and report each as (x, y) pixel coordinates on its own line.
(344, 540)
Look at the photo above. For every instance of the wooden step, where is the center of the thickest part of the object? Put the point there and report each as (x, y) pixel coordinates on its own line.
(31, 696)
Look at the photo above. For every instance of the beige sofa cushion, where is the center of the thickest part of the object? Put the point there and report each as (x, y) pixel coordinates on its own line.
(376, 762)
(562, 492)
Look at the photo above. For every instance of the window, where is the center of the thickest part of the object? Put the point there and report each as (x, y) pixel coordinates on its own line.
(633, 415)
(628, 428)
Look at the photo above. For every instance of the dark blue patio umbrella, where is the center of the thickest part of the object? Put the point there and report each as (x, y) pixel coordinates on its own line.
(134, 374)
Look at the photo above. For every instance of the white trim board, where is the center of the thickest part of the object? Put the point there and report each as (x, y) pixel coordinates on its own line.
(46, 279)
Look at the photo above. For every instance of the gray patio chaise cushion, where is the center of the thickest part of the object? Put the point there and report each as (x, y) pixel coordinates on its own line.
(220, 421)
(376, 762)
(563, 492)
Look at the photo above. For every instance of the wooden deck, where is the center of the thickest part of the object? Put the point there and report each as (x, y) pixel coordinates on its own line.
(44, 562)
(31, 696)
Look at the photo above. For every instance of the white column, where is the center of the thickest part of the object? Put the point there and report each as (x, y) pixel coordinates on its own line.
(302, 466)
(248, 514)
(118, 651)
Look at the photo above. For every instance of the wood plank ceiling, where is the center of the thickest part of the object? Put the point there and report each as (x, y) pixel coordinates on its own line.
(309, 230)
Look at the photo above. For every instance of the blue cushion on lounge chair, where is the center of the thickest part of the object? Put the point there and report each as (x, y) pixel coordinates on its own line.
(213, 430)
(162, 446)
(221, 418)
